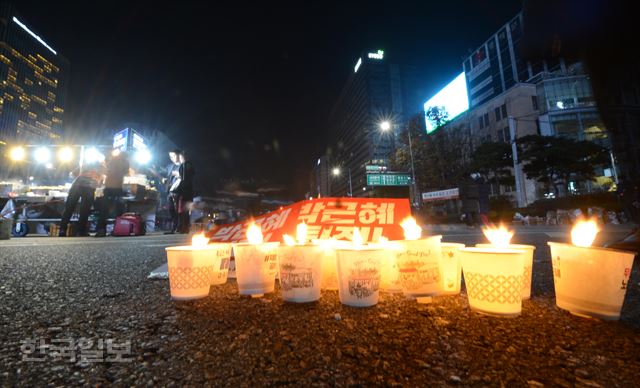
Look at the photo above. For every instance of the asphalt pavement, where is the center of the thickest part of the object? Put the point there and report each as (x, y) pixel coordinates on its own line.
(92, 291)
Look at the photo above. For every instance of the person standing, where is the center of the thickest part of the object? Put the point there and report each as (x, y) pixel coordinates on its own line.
(184, 192)
(82, 190)
(172, 174)
(469, 195)
(117, 168)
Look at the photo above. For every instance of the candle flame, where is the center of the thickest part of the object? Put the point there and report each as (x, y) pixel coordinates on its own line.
(199, 240)
(254, 234)
(498, 237)
(584, 232)
(412, 231)
(288, 240)
(301, 233)
(357, 237)
(325, 244)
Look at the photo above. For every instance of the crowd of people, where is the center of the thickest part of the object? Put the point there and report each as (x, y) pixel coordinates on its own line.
(177, 182)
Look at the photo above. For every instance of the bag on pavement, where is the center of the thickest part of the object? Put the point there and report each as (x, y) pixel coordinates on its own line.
(128, 224)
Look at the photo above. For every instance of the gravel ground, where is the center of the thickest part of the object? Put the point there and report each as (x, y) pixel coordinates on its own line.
(72, 291)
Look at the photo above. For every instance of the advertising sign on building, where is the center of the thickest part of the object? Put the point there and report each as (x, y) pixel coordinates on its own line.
(128, 139)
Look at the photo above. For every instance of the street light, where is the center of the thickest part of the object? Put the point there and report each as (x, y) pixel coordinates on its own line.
(336, 172)
(384, 127)
(17, 154)
(42, 155)
(65, 154)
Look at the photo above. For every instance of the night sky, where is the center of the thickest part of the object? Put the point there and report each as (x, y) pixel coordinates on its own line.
(246, 88)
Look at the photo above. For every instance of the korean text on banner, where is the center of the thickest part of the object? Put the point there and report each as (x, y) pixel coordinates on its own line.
(327, 218)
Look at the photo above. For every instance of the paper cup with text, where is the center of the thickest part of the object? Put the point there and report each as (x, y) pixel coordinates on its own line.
(359, 275)
(419, 267)
(300, 272)
(256, 267)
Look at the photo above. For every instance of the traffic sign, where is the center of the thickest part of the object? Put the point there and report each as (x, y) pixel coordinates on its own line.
(388, 180)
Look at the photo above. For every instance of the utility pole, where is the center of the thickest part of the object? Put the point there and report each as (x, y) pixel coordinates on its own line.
(517, 166)
(350, 187)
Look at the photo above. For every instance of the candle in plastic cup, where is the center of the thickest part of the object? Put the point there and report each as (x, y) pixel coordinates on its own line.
(300, 272)
(451, 268)
(528, 266)
(419, 267)
(493, 277)
(190, 270)
(590, 281)
(223, 253)
(390, 275)
(359, 275)
(256, 267)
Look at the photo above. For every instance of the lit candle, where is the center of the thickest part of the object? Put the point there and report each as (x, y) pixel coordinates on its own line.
(256, 263)
(192, 268)
(451, 268)
(300, 268)
(493, 278)
(501, 238)
(390, 276)
(590, 281)
(329, 265)
(359, 272)
(419, 262)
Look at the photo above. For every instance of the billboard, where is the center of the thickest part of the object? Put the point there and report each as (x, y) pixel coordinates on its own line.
(449, 102)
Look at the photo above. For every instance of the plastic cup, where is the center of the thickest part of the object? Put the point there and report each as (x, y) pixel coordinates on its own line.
(359, 275)
(493, 277)
(256, 267)
(528, 266)
(300, 272)
(451, 268)
(591, 281)
(190, 270)
(390, 275)
(220, 273)
(419, 267)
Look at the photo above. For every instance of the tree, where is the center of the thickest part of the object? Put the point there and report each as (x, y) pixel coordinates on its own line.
(440, 158)
(494, 162)
(555, 160)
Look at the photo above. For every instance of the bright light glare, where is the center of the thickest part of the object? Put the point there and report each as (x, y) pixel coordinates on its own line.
(49, 165)
(42, 155)
(335, 171)
(498, 237)
(584, 232)
(92, 155)
(17, 154)
(355, 69)
(143, 156)
(453, 98)
(115, 152)
(36, 37)
(385, 125)
(65, 154)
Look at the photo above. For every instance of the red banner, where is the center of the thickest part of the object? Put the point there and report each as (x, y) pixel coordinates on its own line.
(326, 218)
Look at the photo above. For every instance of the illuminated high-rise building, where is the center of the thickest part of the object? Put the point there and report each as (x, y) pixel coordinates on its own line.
(377, 101)
(33, 82)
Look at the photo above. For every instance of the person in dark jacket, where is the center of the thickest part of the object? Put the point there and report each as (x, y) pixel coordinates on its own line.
(117, 168)
(172, 175)
(184, 192)
(82, 190)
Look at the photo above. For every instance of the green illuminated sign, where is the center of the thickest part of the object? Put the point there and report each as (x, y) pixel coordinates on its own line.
(388, 180)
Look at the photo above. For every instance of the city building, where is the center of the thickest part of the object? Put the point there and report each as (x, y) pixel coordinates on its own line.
(497, 64)
(377, 101)
(33, 82)
(551, 98)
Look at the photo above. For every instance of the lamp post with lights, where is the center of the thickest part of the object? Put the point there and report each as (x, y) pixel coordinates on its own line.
(336, 172)
(385, 126)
